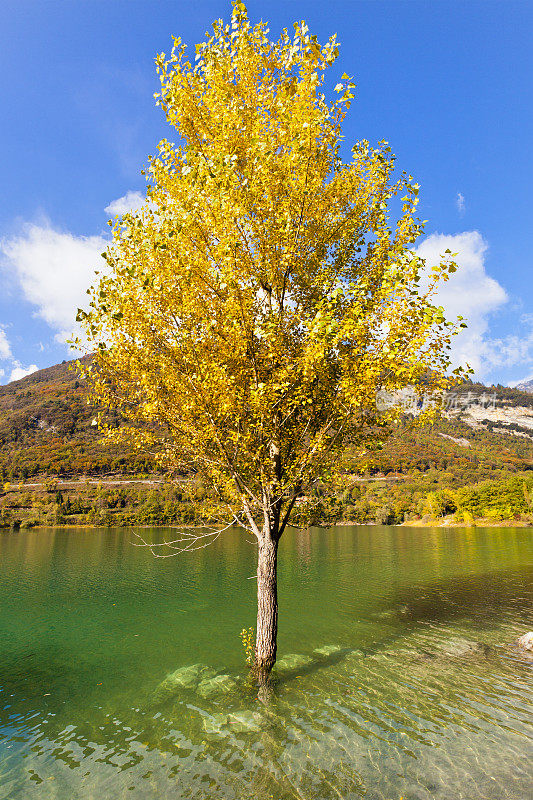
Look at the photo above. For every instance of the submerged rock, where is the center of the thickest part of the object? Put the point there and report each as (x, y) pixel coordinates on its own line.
(214, 724)
(353, 655)
(526, 641)
(244, 722)
(238, 722)
(219, 684)
(384, 614)
(182, 679)
(462, 647)
(328, 650)
(293, 662)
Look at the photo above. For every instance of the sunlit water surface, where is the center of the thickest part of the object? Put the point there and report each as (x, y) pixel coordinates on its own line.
(425, 694)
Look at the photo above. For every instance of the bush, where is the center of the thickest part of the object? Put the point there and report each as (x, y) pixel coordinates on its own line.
(385, 516)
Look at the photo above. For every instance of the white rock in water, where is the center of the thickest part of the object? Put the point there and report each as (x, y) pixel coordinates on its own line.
(328, 650)
(526, 641)
(244, 722)
(461, 647)
(220, 684)
(292, 662)
(183, 678)
(215, 724)
(238, 722)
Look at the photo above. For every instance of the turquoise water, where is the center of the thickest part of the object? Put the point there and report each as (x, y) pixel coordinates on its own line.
(424, 693)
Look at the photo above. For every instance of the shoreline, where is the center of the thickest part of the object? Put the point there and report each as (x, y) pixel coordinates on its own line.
(482, 522)
(417, 523)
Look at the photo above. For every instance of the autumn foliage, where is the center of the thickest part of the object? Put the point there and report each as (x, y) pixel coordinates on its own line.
(253, 310)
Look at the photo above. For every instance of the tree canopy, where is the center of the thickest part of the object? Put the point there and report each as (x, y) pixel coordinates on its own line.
(251, 311)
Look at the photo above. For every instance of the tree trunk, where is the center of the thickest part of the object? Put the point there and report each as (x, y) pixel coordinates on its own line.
(267, 608)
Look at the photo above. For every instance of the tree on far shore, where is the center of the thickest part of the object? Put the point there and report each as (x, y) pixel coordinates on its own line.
(253, 310)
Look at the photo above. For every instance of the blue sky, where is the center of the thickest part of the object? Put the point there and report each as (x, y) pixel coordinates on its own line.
(448, 84)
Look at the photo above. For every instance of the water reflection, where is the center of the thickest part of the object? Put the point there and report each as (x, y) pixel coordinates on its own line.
(426, 695)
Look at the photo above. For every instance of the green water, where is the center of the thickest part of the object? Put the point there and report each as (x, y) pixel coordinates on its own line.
(426, 695)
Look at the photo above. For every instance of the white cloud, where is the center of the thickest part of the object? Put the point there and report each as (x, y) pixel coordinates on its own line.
(19, 372)
(54, 269)
(131, 201)
(472, 294)
(5, 347)
(509, 351)
(460, 202)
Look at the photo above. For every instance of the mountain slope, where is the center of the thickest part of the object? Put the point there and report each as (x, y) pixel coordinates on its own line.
(46, 426)
(477, 460)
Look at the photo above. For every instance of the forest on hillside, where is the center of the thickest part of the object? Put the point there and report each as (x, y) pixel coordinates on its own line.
(55, 468)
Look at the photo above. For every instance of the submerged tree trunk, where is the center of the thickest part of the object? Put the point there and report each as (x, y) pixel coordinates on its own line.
(267, 608)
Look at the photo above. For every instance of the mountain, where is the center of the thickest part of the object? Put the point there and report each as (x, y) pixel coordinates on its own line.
(475, 461)
(47, 427)
(525, 386)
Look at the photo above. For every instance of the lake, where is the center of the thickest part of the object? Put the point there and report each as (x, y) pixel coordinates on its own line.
(400, 676)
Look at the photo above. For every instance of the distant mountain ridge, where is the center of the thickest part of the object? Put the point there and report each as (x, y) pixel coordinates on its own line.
(46, 427)
(525, 386)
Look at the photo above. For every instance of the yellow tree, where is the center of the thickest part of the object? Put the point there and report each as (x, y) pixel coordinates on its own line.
(252, 311)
